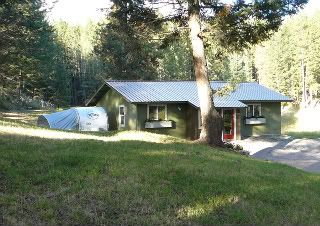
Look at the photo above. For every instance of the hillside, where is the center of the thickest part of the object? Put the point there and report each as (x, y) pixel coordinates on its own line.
(53, 177)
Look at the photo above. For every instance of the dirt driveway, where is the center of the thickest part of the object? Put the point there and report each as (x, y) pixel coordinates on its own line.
(301, 153)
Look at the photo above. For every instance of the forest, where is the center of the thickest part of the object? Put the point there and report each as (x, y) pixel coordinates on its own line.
(57, 64)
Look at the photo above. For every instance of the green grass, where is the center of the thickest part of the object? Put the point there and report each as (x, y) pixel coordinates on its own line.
(308, 126)
(307, 135)
(92, 182)
(289, 119)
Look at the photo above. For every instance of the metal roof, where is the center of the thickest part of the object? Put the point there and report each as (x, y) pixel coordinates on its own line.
(186, 91)
(252, 91)
(226, 102)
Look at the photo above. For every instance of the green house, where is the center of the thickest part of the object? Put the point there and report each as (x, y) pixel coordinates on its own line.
(172, 107)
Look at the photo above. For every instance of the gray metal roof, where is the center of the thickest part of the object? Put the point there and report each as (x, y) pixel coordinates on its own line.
(186, 91)
(252, 91)
(226, 102)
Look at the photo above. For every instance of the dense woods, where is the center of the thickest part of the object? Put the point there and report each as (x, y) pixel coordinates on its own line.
(41, 63)
(84, 70)
(63, 64)
(30, 56)
(289, 61)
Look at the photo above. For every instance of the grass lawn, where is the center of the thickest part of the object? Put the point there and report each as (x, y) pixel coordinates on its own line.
(303, 123)
(307, 135)
(52, 177)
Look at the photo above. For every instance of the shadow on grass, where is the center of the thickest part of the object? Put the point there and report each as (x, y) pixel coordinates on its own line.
(26, 117)
(89, 182)
(32, 123)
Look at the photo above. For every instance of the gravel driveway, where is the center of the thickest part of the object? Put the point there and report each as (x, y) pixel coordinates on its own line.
(301, 153)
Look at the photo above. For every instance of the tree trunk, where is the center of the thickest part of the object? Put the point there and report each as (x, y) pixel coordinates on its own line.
(211, 132)
(304, 87)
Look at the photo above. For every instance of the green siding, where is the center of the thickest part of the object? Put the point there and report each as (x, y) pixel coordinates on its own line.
(175, 112)
(193, 131)
(272, 113)
(111, 102)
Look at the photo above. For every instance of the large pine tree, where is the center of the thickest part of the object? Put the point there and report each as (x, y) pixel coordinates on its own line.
(232, 27)
(128, 39)
(289, 61)
(29, 54)
(125, 39)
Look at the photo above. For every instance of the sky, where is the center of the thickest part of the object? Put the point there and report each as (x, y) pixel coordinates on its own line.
(77, 11)
(80, 11)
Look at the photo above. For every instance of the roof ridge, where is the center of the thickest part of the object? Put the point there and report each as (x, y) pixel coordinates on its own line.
(114, 80)
(215, 81)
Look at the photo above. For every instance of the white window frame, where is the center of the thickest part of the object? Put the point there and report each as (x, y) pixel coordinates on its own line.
(253, 109)
(199, 119)
(157, 105)
(235, 124)
(124, 116)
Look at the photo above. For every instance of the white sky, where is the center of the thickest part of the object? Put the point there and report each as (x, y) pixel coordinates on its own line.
(80, 11)
(77, 11)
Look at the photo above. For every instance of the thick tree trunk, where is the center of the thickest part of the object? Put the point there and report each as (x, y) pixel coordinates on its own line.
(304, 87)
(211, 132)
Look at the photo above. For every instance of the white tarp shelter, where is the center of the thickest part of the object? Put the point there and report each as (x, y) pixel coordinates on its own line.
(79, 118)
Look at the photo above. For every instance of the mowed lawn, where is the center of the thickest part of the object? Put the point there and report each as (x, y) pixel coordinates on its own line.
(143, 179)
(300, 124)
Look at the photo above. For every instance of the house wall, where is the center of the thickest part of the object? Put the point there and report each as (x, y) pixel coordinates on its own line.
(111, 102)
(194, 128)
(185, 118)
(193, 131)
(272, 112)
(175, 112)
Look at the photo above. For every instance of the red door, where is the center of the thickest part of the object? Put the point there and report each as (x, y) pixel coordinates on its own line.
(228, 124)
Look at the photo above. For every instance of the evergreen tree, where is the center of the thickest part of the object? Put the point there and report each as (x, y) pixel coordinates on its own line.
(289, 61)
(175, 62)
(28, 52)
(128, 40)
(232, 27)
(84, 69)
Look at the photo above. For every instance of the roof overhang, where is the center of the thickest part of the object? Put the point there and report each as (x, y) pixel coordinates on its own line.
(98, 95)
(229, 104)
(264, 101)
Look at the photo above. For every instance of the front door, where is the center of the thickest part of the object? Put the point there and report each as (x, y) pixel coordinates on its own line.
(228, 124)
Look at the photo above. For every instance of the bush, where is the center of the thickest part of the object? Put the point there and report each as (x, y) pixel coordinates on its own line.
(236, 148)
(11, 101)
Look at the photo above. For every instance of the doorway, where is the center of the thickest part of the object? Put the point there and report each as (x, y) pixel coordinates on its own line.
(228, 124)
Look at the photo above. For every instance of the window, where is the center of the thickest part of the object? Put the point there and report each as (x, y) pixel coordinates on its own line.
(157, 112)
(254, 110)
(122, 116)
(199, 120)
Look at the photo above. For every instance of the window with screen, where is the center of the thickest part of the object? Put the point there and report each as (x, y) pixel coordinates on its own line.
(254, 110)
(199, 120)
(157, 112)
(122, 116)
